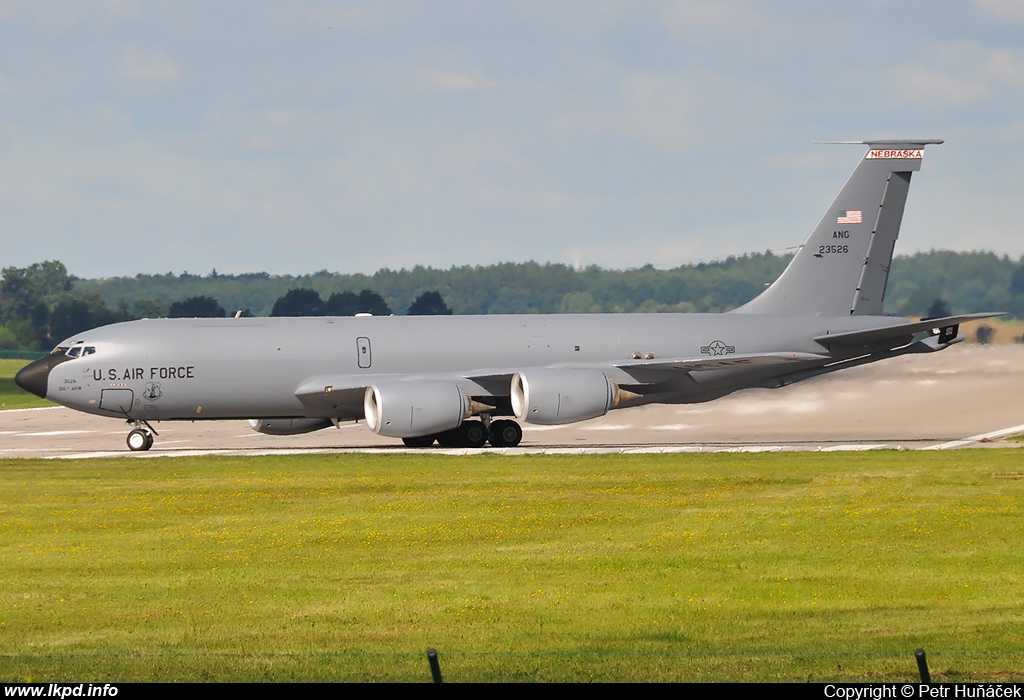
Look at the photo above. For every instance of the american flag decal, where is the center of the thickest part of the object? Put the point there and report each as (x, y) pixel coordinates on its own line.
(850, 216)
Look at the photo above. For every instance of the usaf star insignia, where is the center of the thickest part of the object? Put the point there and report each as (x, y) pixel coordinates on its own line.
(717, 347)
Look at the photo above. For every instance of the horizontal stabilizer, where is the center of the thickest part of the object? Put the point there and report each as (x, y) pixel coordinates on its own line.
(696, 364)
(891, 143)
(900, 330)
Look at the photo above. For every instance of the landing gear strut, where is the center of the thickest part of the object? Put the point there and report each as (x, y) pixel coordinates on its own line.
(140, 438)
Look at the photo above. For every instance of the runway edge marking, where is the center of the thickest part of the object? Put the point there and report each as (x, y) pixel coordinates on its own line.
(974, 439)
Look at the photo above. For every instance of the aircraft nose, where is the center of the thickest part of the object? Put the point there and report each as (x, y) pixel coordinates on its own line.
(33, 377)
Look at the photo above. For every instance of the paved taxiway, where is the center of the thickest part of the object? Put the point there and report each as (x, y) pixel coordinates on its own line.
(968, 395)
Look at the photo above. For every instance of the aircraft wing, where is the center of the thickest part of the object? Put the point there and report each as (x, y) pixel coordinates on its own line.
(899, 331)
(345, 392)
(686, 364)
(697, 364)
(342, 394)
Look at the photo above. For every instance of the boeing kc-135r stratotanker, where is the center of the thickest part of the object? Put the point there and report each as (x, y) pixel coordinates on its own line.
(457, 380)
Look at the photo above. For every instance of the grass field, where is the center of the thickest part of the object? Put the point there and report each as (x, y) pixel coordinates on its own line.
(11, 396)
(621, 567)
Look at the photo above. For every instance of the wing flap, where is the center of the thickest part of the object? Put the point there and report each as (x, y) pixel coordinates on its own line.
(697, 364)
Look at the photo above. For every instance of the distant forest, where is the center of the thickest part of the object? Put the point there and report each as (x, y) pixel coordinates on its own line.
(965, 281)
(45, 303)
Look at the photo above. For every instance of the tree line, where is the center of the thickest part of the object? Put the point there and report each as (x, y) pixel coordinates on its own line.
(43, 303)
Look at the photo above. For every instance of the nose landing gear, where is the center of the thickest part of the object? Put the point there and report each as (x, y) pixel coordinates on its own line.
(140, 438)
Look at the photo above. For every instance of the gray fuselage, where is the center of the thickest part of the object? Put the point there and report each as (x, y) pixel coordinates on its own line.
(189, 369)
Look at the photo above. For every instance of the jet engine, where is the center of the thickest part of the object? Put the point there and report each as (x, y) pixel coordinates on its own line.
(288, 426)
(412, 409)
(558, 396)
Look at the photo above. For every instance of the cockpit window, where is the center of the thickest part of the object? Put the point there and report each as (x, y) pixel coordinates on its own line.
(79, 349)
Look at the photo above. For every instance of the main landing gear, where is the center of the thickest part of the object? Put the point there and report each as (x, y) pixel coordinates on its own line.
(140, 438)
(473, 433)
(505, 433)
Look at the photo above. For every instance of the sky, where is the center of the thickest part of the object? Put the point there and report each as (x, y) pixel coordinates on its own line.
(292, 137)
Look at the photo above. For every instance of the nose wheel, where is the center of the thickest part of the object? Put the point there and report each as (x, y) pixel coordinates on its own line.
(139, 440)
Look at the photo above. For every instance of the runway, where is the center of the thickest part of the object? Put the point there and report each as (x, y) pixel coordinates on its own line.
(966, 396)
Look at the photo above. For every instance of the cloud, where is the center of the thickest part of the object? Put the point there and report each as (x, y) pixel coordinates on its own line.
(457, 82)
(280, 117)
(120, 7)
(652, 109)
(969, 74)
(1007, 68)
(152, 67)
(1004, 9)
(689, 14)
(919, 85)
(335, 17)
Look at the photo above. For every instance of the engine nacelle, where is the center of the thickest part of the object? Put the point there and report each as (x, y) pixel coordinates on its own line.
(413, 409)
(559, 396)
(288, 426)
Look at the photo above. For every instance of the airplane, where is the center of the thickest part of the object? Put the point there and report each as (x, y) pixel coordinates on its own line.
(468, 381)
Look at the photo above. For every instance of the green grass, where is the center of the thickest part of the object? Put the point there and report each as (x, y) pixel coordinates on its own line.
(12, 396)
(621, 567)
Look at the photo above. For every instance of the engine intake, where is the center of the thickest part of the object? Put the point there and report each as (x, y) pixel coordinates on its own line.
(413, 409)
(559, 396)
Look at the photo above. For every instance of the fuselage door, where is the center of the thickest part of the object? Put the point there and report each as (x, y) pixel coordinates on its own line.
(363, 355)
(117, 400)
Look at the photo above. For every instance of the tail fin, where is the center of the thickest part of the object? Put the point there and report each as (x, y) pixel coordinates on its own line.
(843, 267)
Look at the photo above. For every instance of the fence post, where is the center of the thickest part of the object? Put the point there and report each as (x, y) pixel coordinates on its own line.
(922, 665)
(435, 667)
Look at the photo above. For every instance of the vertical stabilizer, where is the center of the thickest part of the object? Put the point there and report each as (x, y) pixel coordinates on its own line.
(843, 267)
